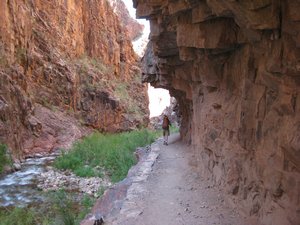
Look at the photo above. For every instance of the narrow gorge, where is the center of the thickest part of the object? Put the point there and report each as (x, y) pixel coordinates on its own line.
(234, 68)
(67, 69)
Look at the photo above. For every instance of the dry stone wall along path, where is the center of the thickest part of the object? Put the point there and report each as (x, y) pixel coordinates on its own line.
(174, 194)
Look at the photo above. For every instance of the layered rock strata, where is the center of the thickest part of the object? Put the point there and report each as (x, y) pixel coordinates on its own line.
(65, 65)
(234, 69)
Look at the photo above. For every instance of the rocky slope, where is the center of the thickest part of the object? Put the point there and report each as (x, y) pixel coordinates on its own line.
(234, 68)
(66, 67)
(135, 29)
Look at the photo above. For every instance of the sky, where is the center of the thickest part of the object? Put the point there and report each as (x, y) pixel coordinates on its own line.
(130, 8)
(139, 44)
(159, 98)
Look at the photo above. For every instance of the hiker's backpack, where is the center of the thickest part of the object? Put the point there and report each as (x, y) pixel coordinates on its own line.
(165, 124)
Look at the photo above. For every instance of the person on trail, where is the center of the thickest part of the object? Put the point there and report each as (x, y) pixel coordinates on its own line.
(165, 126)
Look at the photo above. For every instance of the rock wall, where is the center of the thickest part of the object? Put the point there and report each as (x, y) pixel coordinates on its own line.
(234, 68)
(135, 29)
(65, 66)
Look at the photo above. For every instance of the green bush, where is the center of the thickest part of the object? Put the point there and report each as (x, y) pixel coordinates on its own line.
(86, 204)
(4, 160)
(174, 129)
(63, 209)
(17, 216)
(113, 152)
(85, 171)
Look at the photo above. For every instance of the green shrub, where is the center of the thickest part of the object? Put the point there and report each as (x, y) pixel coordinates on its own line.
(63, 207)
(4, 160)
(85, 62)
(174, 129)
(121, 91)
(67, 210)
(113, 152)
(68, 161)
(17, 216)
(85, 171)
(86, 204)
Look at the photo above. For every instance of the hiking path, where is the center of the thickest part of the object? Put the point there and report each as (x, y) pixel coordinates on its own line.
(174, 194)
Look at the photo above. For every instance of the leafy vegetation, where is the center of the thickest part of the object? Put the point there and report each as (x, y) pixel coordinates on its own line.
(94, 64)
(17, 216)
(62, 210)
(65, 210)
(174, 129)
(121, 92)
(4, 160)
(112, 152)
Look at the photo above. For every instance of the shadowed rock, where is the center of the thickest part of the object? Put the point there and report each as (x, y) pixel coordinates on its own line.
(233, 67)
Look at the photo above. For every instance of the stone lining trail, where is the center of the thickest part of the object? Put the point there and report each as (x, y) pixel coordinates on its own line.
(165, 189)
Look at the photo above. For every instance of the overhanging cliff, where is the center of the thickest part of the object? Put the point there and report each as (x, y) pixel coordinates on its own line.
(234, 68)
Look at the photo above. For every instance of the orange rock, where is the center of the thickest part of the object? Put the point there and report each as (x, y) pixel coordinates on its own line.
(66, 67)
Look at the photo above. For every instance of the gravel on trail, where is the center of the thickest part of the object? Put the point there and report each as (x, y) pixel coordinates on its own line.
(167, 190)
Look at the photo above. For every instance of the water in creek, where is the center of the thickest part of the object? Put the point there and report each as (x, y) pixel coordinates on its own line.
(20, 188)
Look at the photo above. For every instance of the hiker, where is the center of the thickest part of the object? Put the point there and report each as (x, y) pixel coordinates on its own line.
(165, 126)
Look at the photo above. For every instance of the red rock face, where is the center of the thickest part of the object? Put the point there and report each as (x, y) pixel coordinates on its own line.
(66, 61)
(134, 28)
(234, 68)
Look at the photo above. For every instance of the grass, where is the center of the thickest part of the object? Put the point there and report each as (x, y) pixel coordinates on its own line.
(95, 64)
(174, 129)
(121, 91)
(129, 102)
(4, 160)
(100, 66)
(65, 210)
(17, 216)
(61, 210)
(112, 152)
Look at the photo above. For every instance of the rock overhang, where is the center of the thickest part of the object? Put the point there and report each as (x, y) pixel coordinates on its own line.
(234, 68)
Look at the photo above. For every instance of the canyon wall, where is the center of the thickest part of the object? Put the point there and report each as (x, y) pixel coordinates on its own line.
(234, 67)
(66, 67)
(135, 29)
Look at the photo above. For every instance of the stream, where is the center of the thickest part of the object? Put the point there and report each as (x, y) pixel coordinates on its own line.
(20, 188)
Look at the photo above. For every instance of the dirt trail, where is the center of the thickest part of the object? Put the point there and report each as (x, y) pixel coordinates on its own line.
(174, 194)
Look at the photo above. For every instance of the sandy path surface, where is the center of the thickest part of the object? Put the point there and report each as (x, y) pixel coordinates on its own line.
(174, 194)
